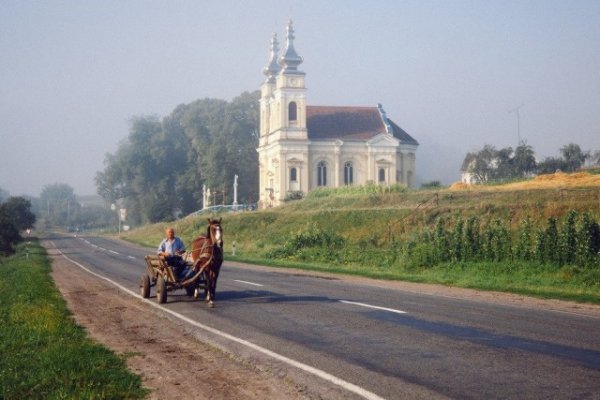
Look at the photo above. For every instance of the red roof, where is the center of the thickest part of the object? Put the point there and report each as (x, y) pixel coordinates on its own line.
(349, 123)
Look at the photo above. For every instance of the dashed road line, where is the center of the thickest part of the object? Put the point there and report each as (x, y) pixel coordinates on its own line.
(248, 283)
(371, 306)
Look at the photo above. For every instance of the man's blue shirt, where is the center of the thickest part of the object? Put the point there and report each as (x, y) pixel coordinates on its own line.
(172, 248)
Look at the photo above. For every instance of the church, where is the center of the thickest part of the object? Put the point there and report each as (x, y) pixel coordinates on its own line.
(304, 147)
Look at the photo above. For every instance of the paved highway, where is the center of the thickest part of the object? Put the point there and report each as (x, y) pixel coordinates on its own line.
(380, 342)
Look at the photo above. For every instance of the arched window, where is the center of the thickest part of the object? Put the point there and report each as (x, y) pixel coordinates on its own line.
(293, 111)
(322, 174)
(348, 173)
(381, 175)
(293, 174)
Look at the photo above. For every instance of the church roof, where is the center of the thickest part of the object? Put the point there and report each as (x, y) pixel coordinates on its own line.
(351, 123)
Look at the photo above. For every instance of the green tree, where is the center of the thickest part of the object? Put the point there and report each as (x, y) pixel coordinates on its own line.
(58, 205)
(9, 234)
(574, 157)
(491, 164)
(551, 165)
(503, 165)
(162, 166)
(524, 160)
(15, 215)
(481, 163)
(19, 209)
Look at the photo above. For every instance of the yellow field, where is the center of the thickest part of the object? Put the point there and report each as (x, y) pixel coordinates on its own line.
(550, 181)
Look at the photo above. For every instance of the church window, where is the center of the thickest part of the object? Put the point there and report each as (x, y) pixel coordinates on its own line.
(381, 175)
(293, 111)
(348, 173)
(322, 174)
(293, 174)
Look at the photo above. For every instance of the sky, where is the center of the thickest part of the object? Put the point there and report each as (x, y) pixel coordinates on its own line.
(74, 73)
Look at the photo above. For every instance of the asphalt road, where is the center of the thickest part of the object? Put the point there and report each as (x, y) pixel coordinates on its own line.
(390, 342)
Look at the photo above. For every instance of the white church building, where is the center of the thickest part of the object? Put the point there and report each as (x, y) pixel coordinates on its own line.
(304, 147)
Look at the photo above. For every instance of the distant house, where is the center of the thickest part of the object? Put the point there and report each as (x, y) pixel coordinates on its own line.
(304, 147)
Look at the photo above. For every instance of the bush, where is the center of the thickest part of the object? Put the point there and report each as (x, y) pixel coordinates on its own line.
(311, 238)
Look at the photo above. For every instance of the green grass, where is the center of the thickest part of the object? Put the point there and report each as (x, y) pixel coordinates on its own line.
(44, 354)
(532, 279)
(376, 223)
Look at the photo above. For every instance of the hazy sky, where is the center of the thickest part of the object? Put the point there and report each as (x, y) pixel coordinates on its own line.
(73, 73)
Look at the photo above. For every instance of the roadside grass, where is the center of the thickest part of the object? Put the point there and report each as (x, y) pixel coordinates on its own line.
(44, 354)
(531, 279)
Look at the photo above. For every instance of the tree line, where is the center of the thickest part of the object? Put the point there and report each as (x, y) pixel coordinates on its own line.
(491, 164)
(159, 171)
(15, 217)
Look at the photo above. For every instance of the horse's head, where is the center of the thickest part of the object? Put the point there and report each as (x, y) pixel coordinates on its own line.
(215, 232)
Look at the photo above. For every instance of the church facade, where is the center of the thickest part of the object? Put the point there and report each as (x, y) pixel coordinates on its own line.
(304, 147)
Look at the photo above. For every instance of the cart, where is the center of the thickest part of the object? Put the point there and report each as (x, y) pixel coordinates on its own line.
(161, 275)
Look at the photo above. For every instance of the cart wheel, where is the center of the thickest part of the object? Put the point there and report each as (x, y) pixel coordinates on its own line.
(161, 290)
(145, 286)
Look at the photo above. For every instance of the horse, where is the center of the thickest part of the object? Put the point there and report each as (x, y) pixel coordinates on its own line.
(207, 255)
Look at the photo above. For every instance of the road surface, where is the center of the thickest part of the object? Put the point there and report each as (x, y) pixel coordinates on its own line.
(379, 340)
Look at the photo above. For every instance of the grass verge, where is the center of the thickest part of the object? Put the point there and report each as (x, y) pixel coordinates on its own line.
(566, 283)
(44, 354)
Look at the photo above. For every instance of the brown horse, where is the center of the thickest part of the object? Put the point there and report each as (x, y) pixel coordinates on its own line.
(207, 254)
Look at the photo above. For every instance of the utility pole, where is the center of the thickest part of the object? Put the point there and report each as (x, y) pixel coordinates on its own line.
(516, 111)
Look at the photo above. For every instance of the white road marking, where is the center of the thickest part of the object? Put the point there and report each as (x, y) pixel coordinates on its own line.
(95, 245)
(132, 257)
(249, 283)
(370, 306)
(114, 252)
(307, 368)
(101, 248)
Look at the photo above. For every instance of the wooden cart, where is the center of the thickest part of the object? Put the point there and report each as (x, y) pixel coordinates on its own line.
(161, 275)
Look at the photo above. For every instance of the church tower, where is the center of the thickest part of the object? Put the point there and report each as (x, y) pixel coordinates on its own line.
(283, 143)
(303, 148)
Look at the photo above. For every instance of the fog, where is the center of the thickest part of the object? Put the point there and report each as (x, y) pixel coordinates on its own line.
(73, 73)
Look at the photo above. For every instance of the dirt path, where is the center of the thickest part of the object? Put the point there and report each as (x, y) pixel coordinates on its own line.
(181, 368)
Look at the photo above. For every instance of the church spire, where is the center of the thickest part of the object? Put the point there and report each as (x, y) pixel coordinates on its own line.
(290, 59)
(272, 68)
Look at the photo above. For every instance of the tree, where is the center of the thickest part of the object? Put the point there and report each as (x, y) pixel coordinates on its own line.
(481, 164)
(19, 209)
(162, 165)
(58, 205)
(524, 160)
(15, 215)
(492, 164)
(573, 156)
(551, 165)
(9, 234)
(595, 157)
(503, 165)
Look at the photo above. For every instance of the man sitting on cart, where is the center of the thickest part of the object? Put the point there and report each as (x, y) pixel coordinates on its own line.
(171, 248)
